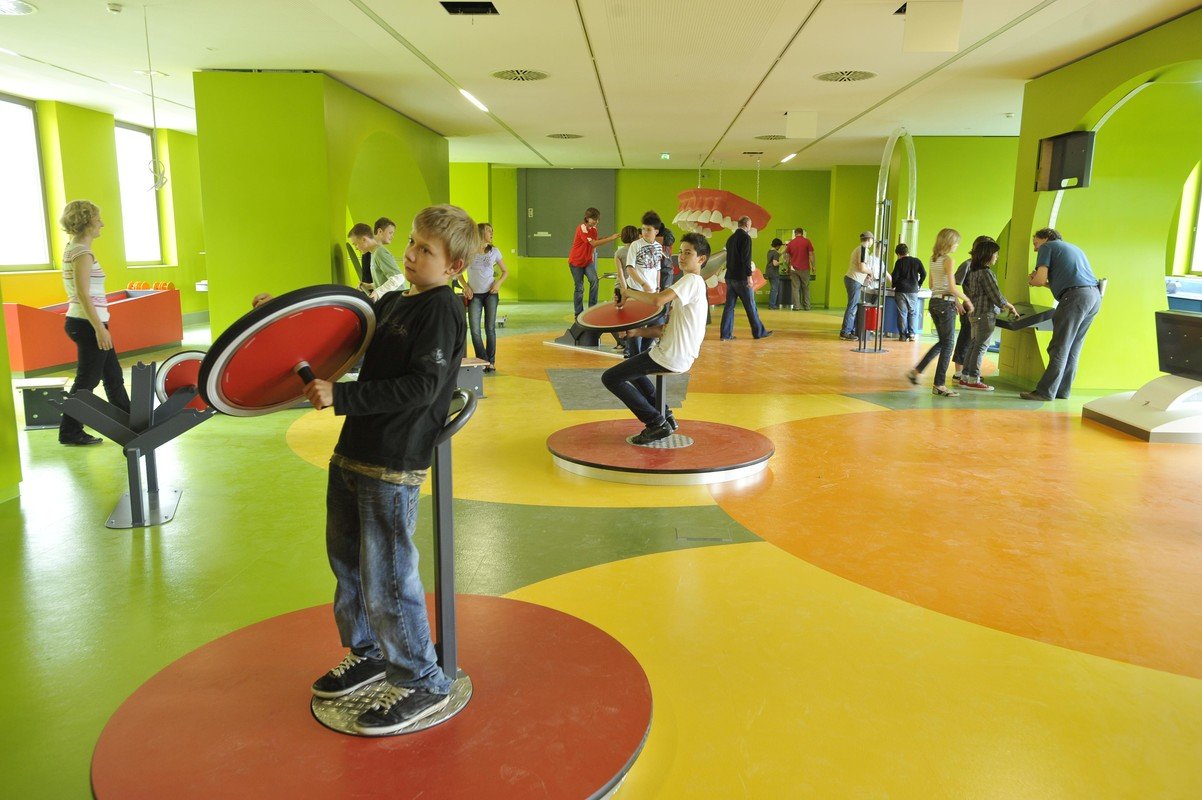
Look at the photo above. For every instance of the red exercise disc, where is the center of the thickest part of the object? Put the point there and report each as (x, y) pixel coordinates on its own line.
(180, 371)
(251, 368)
(608, 317)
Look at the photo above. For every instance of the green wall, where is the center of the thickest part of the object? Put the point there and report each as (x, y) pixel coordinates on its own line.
(285, 160)
(792, 198)
(966, 183)
(1124, 219)
(852, 211)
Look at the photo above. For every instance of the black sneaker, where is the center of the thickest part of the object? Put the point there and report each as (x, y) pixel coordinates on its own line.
(650, 434)
(399, 708)
(670, 418)
(353, 672)
(81, 439)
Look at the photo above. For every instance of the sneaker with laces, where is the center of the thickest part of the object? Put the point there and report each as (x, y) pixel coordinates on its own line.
(670, 418)
(399, 708)
(650, 434)
(352, 673)
(979, 385)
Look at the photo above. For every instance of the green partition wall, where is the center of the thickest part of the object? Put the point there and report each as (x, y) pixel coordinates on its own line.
(1124, 220)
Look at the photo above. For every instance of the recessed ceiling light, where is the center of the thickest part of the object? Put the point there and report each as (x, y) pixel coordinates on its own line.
(564, 136)
(520, 75)
(151, 73)
(788, 158)
(126, 88)
(473, 100)
(844, 76)
(16, 8)
(664, 156)
(8, 52)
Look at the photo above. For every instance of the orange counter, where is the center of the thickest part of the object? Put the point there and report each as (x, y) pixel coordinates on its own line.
(138, 320)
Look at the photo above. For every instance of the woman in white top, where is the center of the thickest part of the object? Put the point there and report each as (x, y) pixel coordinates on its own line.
(947, 302)
(87, 318)
(481, 282)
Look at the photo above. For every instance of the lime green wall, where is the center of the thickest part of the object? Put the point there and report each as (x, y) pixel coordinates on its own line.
(966, 183)
(264, 186)
(793, 198)
(10, 456)
(1123, 220)
(852, 210)
(381, 164)
(183, 218)
(471, 190)
(299, 153)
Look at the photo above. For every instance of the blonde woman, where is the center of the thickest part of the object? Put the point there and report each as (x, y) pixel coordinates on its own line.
(481, 283)
(87, 318)
(947, 301)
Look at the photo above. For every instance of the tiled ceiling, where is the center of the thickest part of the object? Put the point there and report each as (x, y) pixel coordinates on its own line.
(699, 79)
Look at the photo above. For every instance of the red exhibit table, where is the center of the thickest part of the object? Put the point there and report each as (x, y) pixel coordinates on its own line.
(138, 320)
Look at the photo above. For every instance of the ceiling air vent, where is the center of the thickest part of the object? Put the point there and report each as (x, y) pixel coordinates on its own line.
(753, 152)
(564, 136)
(901, 12)
(844, 76)
(771, 137)
(520, 75)
(470, 8)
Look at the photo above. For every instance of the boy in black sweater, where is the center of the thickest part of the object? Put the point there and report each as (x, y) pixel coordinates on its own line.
(393, 414)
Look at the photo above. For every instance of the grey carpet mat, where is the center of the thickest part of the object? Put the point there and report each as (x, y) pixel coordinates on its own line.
(582, 390)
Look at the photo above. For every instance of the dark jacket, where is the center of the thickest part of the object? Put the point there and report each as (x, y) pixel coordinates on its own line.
(738, 256)
(400, 402)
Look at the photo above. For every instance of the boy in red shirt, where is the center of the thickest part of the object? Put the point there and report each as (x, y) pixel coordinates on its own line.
(801, 263)
(582, 260)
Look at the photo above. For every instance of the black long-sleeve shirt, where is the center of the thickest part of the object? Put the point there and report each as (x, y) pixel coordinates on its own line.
(908, 274)
(399, 404)
(738, 256)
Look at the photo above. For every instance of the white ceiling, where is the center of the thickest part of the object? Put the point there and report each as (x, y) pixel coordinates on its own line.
(699, 79)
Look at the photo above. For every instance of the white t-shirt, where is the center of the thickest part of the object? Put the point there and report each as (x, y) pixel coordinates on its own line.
(645, 257)
(938, 277)
(853, 268)
(678, 348)
(95, 284)
(480, 270)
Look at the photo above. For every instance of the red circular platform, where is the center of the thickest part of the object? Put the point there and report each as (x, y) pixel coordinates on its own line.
(559, 709)
(718, 453)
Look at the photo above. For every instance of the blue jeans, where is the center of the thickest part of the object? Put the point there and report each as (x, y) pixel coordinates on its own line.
(379, 602)
(1074, 314)
(906, 302)
(983, 324)
(774, 291)
(854, 288)
(943, 312)
(629, 382)
(488, 303)
(740, 290)
(95, 365)
(578, 276)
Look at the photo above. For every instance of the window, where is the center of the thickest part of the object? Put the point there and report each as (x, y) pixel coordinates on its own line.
(23, 234)
(139, 200)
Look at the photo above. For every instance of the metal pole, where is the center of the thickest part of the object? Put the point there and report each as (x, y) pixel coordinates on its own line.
(444, 560)
(137, 512)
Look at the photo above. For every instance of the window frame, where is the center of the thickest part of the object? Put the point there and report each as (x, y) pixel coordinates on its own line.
(37, 144)
(158, 209)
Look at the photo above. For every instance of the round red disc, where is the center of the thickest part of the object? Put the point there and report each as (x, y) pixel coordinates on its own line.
(180, 371)
(251, 368)
(608, 317)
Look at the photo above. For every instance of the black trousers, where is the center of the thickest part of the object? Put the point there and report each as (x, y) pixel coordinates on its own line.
(95, 366)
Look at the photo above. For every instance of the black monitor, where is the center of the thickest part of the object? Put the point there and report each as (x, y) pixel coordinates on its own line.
(1065, 161)
(1179, 343)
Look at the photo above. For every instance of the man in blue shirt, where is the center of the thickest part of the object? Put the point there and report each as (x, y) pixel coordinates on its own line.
(1064, 269)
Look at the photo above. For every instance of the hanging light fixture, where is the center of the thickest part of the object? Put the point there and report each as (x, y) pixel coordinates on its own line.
(158, 172)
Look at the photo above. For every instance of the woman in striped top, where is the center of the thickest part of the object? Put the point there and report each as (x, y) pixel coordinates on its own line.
(87, 318)
(982, 289)
(946, 302)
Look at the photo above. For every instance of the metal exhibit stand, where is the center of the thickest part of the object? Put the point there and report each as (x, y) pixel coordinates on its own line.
(339, 714)
(140, 432)
(881, 245)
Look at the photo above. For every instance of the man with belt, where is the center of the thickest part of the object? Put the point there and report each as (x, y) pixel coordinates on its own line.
(1064, 269)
